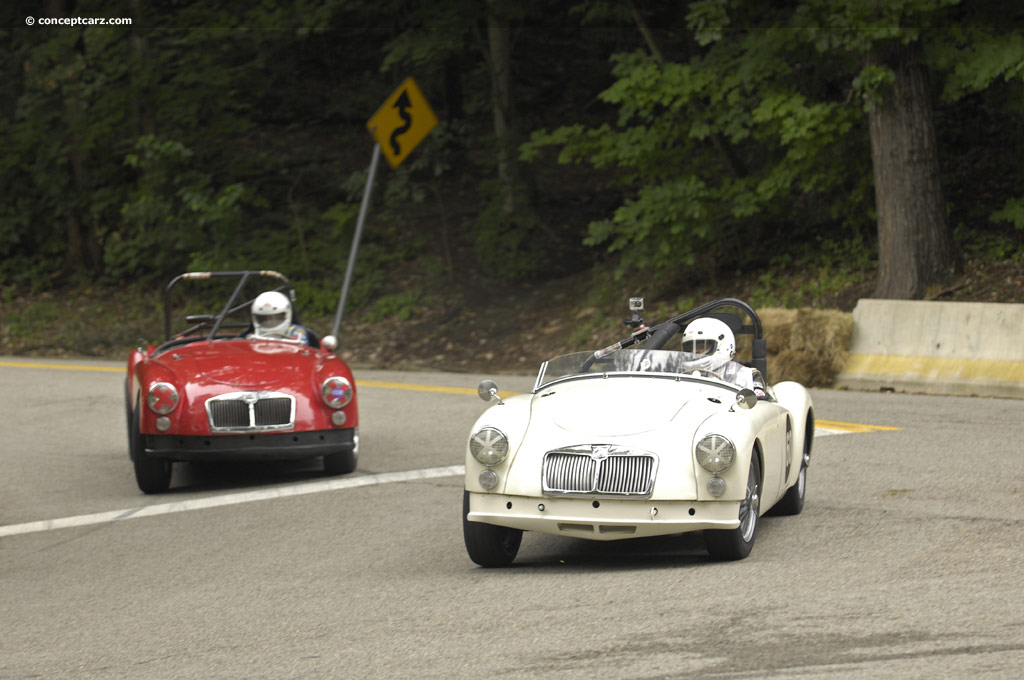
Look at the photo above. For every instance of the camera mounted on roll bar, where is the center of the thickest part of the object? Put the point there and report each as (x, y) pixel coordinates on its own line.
(636, 308)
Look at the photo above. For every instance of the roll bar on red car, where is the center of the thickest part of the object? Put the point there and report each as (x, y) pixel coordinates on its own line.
(230, 307)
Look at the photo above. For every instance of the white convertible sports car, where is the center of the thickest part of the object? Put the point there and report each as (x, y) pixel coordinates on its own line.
(633, 441)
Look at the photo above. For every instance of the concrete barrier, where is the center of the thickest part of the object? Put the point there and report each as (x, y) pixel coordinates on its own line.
(963, 348)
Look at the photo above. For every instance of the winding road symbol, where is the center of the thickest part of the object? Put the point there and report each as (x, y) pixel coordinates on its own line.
(402, 122)
(403, 104)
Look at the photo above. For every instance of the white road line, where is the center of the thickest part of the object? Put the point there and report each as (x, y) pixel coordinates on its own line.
(251, 496)
(232, 499)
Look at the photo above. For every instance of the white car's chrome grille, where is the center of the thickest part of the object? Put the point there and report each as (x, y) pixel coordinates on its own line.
(599, 470)
(251, 412)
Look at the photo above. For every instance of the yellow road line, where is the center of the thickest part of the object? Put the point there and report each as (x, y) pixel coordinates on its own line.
(413, 387)
(854, 427)
(64, 367)
(359, 383)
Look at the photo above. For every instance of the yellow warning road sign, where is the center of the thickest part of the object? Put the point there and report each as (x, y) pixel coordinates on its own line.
(402, 122)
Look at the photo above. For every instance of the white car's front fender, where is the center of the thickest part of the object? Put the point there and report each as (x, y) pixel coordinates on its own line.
(511, 417)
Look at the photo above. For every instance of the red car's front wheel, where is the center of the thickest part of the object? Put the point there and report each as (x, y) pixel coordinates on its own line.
(153, 475)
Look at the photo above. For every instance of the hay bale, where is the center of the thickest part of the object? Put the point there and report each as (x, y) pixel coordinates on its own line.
(807, 345)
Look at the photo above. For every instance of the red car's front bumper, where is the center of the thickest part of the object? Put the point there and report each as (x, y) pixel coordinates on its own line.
(265, 446)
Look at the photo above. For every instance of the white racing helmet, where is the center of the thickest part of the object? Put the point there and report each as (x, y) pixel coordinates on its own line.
(271, 314)
(708, 344)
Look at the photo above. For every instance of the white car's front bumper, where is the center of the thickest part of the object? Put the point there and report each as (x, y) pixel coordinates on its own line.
(602, 519)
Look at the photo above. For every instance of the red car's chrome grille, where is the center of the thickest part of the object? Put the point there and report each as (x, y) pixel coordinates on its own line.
(251, 412)
(229, 413)
(274, 411)
(598, 470)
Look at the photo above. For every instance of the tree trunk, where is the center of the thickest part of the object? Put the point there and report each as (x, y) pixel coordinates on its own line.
(145, 120)
(83, 252)
(915, 245)
(500, 62)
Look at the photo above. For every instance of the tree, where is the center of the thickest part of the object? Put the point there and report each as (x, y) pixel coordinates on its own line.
(915, 245)
(724, 146)
(756, 128)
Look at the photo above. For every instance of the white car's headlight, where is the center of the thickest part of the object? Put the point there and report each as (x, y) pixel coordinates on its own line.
(162, 398)
(489, 446)
(336, 392)
(715, 453)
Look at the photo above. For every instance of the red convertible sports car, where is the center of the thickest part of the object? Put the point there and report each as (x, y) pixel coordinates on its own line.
(247, 382)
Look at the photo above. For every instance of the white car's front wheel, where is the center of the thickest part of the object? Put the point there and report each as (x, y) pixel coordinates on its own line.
(735, 544)
(489, 545)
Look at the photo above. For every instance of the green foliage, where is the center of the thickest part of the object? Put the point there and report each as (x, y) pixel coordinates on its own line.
(980, 59)
(176, 218)
(399, 306)
(813, 275)
(232, 135)
(708, 150)
(1012, 212)
(991, 243)
(505, 246)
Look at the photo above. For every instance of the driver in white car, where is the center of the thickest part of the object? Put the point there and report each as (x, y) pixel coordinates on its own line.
(272, 318)
(709, 345)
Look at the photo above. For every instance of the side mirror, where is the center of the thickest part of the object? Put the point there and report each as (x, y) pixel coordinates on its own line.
(488, 390)
(329, 343)
(746, 399)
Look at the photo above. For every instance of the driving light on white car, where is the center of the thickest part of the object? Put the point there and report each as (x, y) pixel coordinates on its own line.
(715, 453)
(162, 398)
(488, 479)
(716, 486)
(489, 446)
(336, 392)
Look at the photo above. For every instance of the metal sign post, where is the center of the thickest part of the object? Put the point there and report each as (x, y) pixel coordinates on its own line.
(400, 123)
(355, 239)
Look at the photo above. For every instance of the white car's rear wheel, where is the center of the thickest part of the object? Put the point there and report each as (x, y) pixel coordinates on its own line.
(792, 503)
(735, 544)
(489, 545)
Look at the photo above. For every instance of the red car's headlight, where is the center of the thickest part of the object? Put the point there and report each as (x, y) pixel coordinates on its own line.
(162, 398)
(336, 392)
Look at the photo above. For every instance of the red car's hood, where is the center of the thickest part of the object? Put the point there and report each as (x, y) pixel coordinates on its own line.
(246, 364)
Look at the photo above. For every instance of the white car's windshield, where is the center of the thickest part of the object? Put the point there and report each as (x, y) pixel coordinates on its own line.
(618, 361)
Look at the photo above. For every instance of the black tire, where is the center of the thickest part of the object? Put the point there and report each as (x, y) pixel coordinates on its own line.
(153, 475)
(489, 545)
(792, 503)
(340, 463)
(735, 544)
(128, 415)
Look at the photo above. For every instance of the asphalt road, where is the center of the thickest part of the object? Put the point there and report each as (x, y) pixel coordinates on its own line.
(906, 562)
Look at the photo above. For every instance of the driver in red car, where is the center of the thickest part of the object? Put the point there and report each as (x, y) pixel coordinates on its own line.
(272, 319)
(709, 345)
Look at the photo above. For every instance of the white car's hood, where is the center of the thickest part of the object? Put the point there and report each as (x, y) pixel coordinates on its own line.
(654, 414)
(622, 406)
